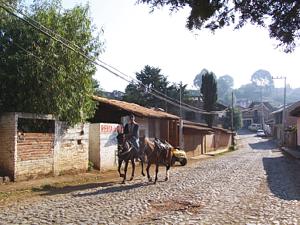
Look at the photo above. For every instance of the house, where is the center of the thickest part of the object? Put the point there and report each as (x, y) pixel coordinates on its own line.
(111, 113)
(296, 113)
(257, 112)
(35, 145)
(200, 139)
(290, 123)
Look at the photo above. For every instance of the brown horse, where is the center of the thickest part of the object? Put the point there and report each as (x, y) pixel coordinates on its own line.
(126, 153)
(157, 152)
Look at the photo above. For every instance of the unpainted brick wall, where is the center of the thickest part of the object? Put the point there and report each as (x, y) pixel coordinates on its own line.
(7, 144)
(34, 146)
(34, 155)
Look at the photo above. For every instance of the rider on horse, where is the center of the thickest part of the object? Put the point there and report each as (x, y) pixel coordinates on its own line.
(131, 132)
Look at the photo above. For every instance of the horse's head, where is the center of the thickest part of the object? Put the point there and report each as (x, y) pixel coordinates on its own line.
(123, 144)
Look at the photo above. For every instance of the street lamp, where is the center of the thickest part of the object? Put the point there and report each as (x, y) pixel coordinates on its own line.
(284, 105)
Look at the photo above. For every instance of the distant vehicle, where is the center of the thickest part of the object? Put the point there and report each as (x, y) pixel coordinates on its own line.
(260, 133)
(254, 127)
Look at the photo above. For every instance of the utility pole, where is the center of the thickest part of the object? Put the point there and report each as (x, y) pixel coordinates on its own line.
(262, 109)
(284, 107)
(181, 143)
(232, 120)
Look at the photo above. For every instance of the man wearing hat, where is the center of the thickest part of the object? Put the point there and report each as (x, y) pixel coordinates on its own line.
(131, 131)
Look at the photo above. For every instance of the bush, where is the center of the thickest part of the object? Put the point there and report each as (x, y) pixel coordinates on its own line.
(90, 166)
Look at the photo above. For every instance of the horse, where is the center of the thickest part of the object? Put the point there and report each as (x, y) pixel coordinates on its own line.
(126, 153)
(157, 152)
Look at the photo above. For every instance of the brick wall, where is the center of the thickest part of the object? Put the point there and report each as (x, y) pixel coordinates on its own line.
(34, 146)
(34, 155)
(8, 129)
(71, 148)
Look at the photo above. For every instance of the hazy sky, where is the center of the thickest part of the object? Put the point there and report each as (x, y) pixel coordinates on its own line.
(135, 38)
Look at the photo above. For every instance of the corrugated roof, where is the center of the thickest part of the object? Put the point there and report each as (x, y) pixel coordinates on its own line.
(135, 108)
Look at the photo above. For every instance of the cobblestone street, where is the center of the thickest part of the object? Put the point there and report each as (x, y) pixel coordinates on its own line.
(256, 184)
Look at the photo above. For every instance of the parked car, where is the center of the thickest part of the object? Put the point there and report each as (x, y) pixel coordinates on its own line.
(260, 133)
(254, 127)
(179, 155)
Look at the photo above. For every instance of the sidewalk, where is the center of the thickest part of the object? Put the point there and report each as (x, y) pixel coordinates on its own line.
(292, 152)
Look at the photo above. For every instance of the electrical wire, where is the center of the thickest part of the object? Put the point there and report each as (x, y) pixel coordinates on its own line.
(76, 49)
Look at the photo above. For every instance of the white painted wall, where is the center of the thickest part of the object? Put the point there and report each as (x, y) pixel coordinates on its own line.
(103, 145)
(108, 146)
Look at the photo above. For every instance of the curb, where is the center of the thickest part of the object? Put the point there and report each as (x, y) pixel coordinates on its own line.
(295, 154)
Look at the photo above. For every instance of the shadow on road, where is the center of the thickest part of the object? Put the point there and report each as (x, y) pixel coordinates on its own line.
(54, 190)
(244, 131)
(267, 144)
(283, 176)
(113, 189)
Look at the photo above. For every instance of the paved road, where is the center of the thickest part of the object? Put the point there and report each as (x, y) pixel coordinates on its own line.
(254, 185)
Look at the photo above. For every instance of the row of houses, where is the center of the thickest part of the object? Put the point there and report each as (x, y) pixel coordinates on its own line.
(34, 146)
(283, 128)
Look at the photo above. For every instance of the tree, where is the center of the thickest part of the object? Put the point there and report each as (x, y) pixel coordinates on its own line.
(209, 95)
(262, 79)
(281, 17)
(225, 85)
(198, 78)
(48, 78)
(237, 119)
(149, 78)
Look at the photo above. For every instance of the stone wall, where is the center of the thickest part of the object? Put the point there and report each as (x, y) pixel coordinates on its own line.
(8, 132)
(71, 148)
(32, 169)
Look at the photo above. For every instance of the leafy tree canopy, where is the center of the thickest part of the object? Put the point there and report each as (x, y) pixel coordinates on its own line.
(262, 78)
(151, 79)
(281, 17)
(225, 87)
(51, 79)
(198, 78)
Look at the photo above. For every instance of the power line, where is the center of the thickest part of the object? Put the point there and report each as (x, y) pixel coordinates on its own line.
(54, 37)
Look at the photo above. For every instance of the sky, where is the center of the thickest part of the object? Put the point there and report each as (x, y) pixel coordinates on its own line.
(134, 37)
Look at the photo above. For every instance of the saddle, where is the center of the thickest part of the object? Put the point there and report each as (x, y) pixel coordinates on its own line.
(162, 146)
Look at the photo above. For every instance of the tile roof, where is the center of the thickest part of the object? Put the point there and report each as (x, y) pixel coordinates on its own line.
(135, 108)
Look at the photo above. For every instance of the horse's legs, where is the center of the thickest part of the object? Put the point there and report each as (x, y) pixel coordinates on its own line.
(156, 171)
(119, 167)
(167, 171)
(125, 171)
(142, 164)
(133, 168)
(147, 170)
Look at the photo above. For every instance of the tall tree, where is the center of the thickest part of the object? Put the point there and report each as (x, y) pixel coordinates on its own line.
(225, 86)
(209, 95)
(48, 78)
(262, 79)
(281, 17)
(198, 78)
